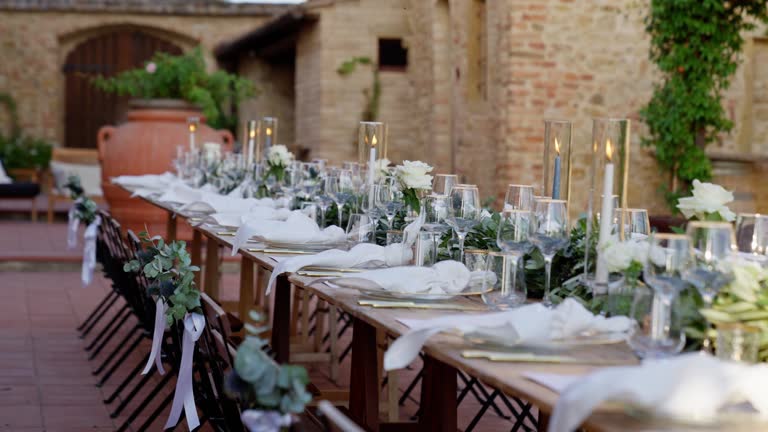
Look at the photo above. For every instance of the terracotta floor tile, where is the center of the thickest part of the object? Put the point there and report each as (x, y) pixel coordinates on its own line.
(19, 395)
(66, 417)
(18, 416)
(66, 395)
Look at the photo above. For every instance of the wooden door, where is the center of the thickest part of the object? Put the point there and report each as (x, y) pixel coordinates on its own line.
(88, 108)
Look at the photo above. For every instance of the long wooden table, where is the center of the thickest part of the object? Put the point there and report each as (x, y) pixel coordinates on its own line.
(443, 353)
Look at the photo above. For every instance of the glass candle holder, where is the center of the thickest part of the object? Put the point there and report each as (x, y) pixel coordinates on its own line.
(609, 173)
(557, 159)
(371, 142)
(267, 133)
(251, 150)
(752, 233)
(738, 342)
(193, 124)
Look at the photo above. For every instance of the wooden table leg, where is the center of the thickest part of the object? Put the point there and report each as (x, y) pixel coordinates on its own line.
(170, 229)
(196, 254)
(281, 320)
(212, 270)
(245, 302)
(364, 382)
(438, 397)
(543, 421)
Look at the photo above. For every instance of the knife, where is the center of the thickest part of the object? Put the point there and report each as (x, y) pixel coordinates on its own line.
(524, 357)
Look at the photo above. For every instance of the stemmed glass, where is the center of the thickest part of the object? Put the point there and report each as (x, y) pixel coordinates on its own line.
(550, 235)
(389, 200)
(636, 223)
(360, 229)
(322, 199)
(670, 258)
(519, 197)
(340, 188)
(463, 212)
(443, 183)
(514, 239)
(711, 243)
(752, 234)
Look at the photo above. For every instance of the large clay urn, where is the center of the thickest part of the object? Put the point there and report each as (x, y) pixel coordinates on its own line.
(146, 144)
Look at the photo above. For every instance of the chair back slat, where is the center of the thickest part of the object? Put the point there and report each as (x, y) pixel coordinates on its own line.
(335, 420)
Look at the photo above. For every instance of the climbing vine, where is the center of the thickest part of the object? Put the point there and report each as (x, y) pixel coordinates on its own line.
(373, 94)
(696, 46)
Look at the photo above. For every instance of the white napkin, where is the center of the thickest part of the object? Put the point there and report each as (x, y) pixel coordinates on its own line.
(362, 255)
(148, 181)
(236, 219)
(210, 202)
(532, 322)
(297, 229)
(180, 193)
(445, 277)
(693, 387)
(4, 179)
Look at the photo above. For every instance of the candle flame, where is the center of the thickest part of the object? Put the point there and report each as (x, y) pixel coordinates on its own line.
(557, 146)
(374, 141)
(252, 133)
(269, 131)
(192, 122)
(609, 150)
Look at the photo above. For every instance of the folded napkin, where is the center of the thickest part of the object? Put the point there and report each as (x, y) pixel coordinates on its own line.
(445, 277)
(147, 181)
(528, 323)
(211, 202)
(255, 214)
(180, 193)
(364, 255)
(297, 229)
(692, 387)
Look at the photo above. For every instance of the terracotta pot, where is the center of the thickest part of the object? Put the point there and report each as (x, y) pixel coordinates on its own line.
(146, 144)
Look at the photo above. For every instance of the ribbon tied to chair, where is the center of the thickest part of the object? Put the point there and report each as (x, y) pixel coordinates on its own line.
(89, 251)
(155, 355)
(184, 397)
(72, 225)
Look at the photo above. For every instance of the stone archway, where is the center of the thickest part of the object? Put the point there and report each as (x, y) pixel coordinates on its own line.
(107, 52)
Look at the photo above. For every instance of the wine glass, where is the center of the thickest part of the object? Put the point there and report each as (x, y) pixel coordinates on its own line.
(519, 197)
(389, 199)
(637, 226)
(644, 338)
(360, 229)
(711, 242)
(550, 235)
(339, 188)
(443, 183)
(322, 198)
(670, 258)
(514, 239)
(463, 212)
(752, 234)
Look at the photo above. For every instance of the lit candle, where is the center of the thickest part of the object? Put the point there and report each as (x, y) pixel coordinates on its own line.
(268, 139)
(371, 169)
(192, 122)
(606, 213)
(556, 179)
(251, 137)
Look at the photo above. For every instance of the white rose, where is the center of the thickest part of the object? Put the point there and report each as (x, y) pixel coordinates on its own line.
(618, 256)
(707, 198)
(747, 278)
(382, 167)
(279, 155)
(413, 174)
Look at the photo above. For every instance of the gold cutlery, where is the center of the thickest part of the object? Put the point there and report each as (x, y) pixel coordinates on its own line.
(333, 269)
(413, 305)
(281, 251)
(226, 233)
(524, 357)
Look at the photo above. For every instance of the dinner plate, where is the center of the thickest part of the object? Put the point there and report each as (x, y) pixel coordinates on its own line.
(505, 337)
(311, 247)
(372, 289)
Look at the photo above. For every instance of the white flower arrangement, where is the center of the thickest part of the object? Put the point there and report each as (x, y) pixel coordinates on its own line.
(278, 155)
(413, 176)
(382, 168)
(620, 255)
(709, 202)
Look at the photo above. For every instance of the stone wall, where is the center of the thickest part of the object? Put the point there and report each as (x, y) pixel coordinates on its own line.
(34, 44)
(276, 97)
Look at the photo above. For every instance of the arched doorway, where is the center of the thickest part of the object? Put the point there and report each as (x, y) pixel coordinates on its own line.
(88, 108)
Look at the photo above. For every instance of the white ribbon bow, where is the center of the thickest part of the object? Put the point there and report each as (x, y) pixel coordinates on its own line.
(184, 397)
(72, 226)
(155, 356)
(89, 252)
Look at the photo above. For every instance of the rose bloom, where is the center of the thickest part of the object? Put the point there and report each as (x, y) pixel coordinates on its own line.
(151, 67)
(413, 174)
(707, 198)
(279, 155)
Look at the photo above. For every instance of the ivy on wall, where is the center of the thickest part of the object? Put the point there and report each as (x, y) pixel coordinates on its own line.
(696, 46)
(372, 95)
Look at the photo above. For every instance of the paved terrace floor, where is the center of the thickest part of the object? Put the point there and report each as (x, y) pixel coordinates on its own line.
(46, 382)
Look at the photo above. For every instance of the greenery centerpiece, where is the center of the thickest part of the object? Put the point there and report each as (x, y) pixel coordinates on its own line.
(185, 77)
(84, 207)
(269, 393)
(278, 158)
(169, 268)
(19, 151)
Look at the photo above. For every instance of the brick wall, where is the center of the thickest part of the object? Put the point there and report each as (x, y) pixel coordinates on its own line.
(276, 98)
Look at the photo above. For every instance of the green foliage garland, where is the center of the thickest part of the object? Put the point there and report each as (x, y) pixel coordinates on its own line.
(16, 149)
(183, 77)
(695, 44)
(85, 208)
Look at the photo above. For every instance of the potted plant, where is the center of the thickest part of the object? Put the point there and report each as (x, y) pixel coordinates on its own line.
(168, 90)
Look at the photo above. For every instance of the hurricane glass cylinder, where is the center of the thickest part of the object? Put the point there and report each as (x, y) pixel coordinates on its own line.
(557, 159)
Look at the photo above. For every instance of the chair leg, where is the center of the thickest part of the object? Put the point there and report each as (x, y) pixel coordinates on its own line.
(107, 327)
(146, 401)
(116, 350)
(51, 203)
(334, 343)
(132, 394)
(120, 361)
(34, 209)
(136, 370)
(96, 310)
(109, 337)
(167, 401)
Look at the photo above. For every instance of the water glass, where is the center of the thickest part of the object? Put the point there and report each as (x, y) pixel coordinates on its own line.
(389, 200)
(509, 290)
(339, 188)
(647, 338)
(435, 210)
(550, 234)
(519, 197)
(738, 342)
(637, 226)
(752, 233)
(360, 229)
(514, 239)
(443, 183)
(464, 210)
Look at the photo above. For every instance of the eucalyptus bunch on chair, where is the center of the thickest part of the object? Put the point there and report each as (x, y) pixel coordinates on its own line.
(268, 392)
(169, 268)
(84, 208)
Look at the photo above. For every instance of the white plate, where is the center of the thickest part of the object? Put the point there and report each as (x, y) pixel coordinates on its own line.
(504, 338)
(372, 289)
(312, 247)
